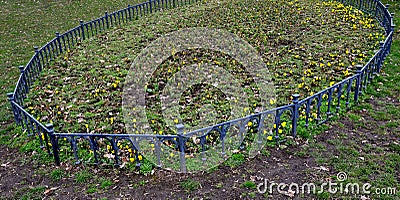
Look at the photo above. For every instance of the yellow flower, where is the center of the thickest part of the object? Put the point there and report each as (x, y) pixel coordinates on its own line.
(283, 124)
(140, 157)
(176, 121)
(274, 125)
(249, 123)
(269, 138)
(271, 101)
(132, 159)
(332, 83)
(280, 131)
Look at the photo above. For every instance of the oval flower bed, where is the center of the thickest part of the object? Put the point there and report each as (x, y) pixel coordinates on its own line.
(307, 45)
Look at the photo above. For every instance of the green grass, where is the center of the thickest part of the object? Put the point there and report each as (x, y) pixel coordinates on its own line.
(189, 185)
(249, 185)
(83, 176)
(235, 160)
(371, 156)
(57, 174)
(31, 193)
(105, 184)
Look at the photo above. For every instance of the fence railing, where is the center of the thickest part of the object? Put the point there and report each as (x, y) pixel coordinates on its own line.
(315, 109)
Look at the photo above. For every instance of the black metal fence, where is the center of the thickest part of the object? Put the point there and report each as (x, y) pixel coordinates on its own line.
(317, 108)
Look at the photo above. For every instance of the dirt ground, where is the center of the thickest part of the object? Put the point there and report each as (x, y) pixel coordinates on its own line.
(22, 177)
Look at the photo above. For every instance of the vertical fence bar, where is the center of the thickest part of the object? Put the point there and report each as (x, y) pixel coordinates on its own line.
(358, 83)
(38, 54)
(82, 29)
(295, 113)
(107, 23)
(151, 7)
(381, 56)
(181, 145)
(59, 42)
(54, 143)
(23, 81)
(11, 99)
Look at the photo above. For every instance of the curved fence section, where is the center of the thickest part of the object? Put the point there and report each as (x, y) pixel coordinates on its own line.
(315, 109)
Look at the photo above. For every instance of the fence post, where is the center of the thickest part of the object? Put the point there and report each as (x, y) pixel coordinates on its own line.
(38, 56)
(295, 114)
(358, 91)
(181, 145)
(82, 29)
(381, 55)
(129, 12)
(11, 99)
(24, 81)
(59, 42)
(106, 16)
(54, 143)
(151, 9)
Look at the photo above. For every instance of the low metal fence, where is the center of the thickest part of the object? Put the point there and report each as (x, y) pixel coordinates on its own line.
(316, 109)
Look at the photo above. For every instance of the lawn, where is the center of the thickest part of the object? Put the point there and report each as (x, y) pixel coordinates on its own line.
(353, 145)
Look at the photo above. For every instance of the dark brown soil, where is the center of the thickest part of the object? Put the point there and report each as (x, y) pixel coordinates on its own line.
(19, 174)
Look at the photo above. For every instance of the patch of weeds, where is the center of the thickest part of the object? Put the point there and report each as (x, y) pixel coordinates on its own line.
(142, 182)
(252, 194)
(249, 185)
(353, 117)
(82, 176)
(301, 153)
(190, 185)
(57, 174)
(219, 185)
(106, 184)
(392, 124)
(323, 195)
(91, 189)
(395, 147)
(265, 152)
(235, 160)
(146, 167)
(31, 193)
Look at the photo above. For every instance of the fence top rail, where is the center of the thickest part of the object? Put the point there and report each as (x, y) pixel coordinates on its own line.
(30, 116)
